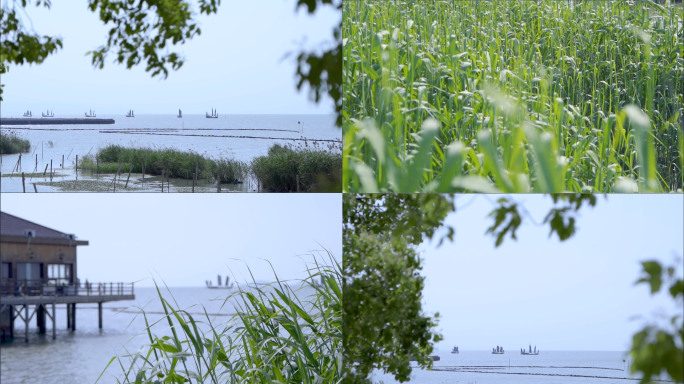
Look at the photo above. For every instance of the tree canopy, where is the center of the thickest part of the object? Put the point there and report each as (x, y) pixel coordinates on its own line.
(143, 30)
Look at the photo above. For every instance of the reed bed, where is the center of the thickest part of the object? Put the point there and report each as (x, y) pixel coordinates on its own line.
(319, 168)
(180, 164)
(11, 143)
(274, 337)
(513, 96)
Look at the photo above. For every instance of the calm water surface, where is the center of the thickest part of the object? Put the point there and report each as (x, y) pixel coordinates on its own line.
(549, 367)
(80, 357)
(87, 139)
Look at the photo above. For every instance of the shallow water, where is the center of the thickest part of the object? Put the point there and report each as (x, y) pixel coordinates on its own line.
(72, 140)
(549, 367)
(80, 356)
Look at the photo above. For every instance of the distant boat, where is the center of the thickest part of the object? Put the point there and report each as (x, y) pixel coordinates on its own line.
(130, 114)
(455, 350)
(49, 114)
(28, 114)
(92, 114)
(219, 286)
(214, 114)
(535, 352)
(180, 114)
(498, 350)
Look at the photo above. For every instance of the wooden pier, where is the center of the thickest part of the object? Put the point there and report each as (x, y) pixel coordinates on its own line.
(19, 296)
(53, 121)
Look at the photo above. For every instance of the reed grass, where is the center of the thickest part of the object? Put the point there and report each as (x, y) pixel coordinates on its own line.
(513, 96)
(11, 143)
(181, 164)
(274, 337)
(319, 168)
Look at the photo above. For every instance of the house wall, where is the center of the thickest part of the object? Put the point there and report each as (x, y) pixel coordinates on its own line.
(42, 253)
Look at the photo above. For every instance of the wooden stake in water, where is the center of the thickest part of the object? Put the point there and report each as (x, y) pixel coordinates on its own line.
(50, 171)
(76, 170)
(36, 168)
(129, 175)
(62, 160)
(23, 181)
(45, 171)
(218, 183)
(34, 188)
(116, 175)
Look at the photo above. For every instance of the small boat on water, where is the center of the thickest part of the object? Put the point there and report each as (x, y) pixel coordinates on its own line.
(48, 114)
(130, 114)
(214, 114)
(92, 114)
(535, 352)
(180, 114)
(498, 350)
(455, 350)
(28, 114)
(219, 286)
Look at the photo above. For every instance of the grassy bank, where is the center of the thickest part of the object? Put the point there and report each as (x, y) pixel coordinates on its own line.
(11, 143)
(513, 96)
(180, 164)
(319, 168)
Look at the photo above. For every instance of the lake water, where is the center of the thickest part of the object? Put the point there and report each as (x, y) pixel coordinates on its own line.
(549, 367)
(80, 356)
(161, 131)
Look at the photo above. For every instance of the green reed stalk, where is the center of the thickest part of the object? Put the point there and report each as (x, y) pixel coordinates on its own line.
(274, 337)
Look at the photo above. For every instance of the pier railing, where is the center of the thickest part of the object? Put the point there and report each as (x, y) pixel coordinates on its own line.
(14, 287)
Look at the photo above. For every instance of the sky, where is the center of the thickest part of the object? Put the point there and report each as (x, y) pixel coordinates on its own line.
(185, 240)
(575, 295)
(236, 65)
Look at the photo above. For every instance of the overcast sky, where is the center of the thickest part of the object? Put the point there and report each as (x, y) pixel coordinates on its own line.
(575, 295)
(235, 66)
(186, 239)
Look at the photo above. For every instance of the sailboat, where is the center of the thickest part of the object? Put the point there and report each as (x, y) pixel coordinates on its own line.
(214, 114)
(49, 114)
(455, 350)
(92, 114)
(498, 350)
(130, 114)
(180, 114)
(535, 352)
(28, 114)
(219, 286)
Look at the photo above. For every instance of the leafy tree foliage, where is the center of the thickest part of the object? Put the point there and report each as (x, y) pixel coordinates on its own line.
(507, 217)
(654, 349)
(142, 29)
(384, 325)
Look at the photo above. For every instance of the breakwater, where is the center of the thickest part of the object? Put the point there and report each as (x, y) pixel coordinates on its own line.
(53, 121)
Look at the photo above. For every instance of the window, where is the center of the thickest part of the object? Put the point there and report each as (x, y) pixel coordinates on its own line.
(59, 274)
(28, 271)
(5, 271)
